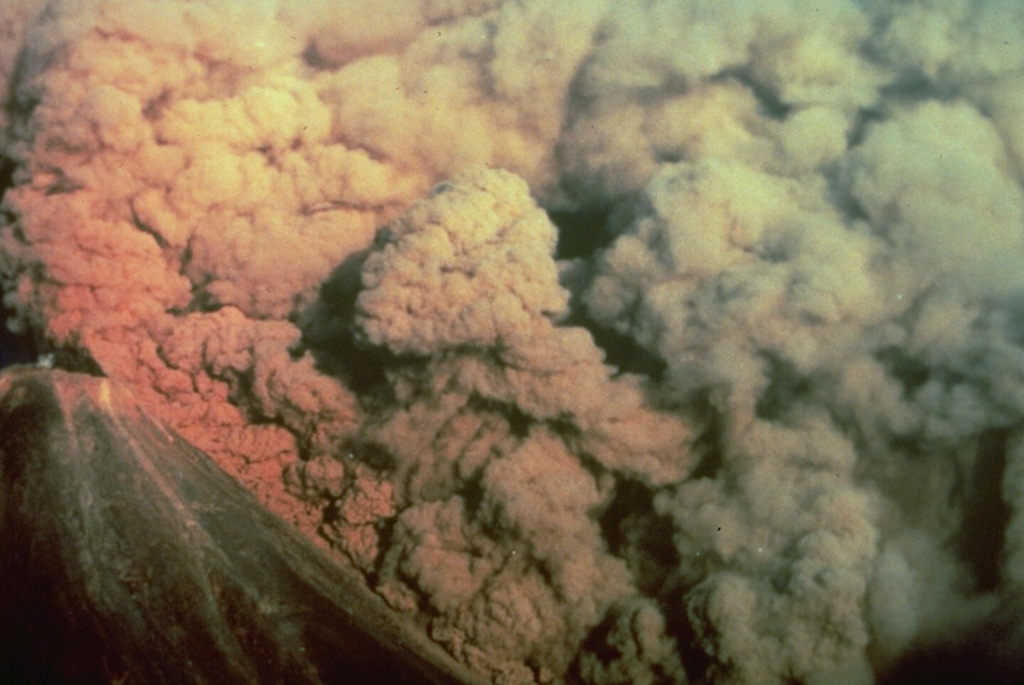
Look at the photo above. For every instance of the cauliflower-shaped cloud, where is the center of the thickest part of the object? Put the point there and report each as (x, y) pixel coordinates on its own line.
(479, 234)
(759, 423)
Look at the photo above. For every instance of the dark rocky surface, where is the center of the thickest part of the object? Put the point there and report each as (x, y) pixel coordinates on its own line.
(129, 557)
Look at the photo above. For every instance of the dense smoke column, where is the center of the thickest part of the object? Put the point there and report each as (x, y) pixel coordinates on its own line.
(759, 364)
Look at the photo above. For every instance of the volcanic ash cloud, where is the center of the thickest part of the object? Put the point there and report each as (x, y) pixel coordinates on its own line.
(634, 341)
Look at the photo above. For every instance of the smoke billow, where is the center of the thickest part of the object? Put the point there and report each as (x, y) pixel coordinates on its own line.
(635, 341)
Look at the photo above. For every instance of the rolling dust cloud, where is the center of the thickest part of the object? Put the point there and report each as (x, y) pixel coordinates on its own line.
(653, 341)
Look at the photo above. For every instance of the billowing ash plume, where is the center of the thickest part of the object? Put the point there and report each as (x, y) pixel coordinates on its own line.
(632, 341)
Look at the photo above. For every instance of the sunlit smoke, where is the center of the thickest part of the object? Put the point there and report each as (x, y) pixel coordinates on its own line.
(627, 342)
